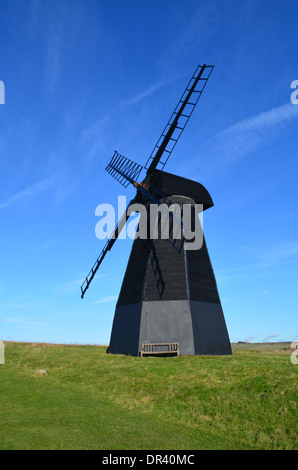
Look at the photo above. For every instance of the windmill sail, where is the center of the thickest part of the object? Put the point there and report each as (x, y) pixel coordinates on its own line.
(104, 251)
(179, 118)
(123, 170)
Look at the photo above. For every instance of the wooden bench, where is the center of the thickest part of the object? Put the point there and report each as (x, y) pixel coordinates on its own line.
(160, 349)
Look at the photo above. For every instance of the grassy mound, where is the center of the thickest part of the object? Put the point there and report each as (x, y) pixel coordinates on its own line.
(79, 397)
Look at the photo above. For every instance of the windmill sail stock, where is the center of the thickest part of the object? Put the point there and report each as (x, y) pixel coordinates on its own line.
(108, 246)
(179, 118)
(126, 171)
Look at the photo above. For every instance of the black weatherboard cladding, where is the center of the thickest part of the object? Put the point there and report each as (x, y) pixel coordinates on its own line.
(201, 279)
(172, 272)
(133, 282)
(156, 271)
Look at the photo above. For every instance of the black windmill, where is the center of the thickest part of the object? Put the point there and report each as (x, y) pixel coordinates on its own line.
(169, 301)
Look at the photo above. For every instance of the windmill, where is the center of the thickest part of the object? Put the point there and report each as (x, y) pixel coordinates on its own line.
(169, 301)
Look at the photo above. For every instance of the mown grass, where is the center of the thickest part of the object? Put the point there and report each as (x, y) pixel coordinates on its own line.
(93, 400)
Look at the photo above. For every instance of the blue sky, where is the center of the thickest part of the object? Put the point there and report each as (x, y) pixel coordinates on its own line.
(83, 78)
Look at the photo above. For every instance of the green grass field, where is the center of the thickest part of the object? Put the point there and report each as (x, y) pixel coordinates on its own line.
(93, 400)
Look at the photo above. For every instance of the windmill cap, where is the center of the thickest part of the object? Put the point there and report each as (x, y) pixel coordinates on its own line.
(169, 184)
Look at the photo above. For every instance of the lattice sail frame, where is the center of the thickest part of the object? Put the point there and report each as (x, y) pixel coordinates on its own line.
(123, 169)
(186, 104)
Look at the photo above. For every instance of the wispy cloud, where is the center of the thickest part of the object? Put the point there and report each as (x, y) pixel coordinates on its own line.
(20, 302)
(43, 247)
(275, 219)
(97, 135)
(23, 322)
(69, 287)
(142, 94)
(56, 18)
(111, 298)
(32, 190)
(272, 259)
(271, 336)
(52, 68)
(248, 135)
(279, 254)
(199, 29)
